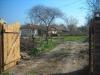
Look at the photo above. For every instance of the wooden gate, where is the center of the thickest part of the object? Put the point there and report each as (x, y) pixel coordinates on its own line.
(9, 45)
(94, 45)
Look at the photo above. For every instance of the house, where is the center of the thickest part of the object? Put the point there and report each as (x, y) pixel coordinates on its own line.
(60, 29)
(29, 31)
(52, 31)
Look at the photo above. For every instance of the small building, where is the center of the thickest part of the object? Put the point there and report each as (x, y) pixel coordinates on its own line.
(29, 31)
(52, 31)
(59, 29)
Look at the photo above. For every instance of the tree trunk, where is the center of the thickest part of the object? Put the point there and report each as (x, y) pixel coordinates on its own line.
(47, 28)
(33, 38)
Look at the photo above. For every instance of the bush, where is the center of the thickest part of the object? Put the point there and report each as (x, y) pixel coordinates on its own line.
(34, 52)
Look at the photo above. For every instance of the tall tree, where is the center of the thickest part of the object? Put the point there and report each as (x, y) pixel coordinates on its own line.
(44, 15)
(94, 6)
(71, 23)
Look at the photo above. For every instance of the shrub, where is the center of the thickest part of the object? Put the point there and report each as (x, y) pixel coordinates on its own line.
(34, 52)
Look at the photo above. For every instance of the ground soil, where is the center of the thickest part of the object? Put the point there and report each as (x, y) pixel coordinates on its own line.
(65, 59)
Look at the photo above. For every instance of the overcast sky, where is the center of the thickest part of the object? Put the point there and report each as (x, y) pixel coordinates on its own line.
(17, 10)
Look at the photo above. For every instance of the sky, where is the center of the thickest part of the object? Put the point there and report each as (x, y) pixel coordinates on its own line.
(17, 10)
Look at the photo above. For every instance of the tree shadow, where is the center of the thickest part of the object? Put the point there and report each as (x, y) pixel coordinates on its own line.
(84, 71)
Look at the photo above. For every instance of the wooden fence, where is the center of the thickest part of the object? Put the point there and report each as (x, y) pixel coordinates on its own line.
(9, 45)
(94, 46)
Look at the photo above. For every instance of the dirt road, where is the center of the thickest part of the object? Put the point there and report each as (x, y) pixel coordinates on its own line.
(68, 57)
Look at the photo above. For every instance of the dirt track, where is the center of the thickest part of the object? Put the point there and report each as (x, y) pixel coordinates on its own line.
(65, 58)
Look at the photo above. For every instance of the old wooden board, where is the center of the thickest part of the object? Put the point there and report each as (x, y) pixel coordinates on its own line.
(1, 49)
(97, 48)
(10, 46)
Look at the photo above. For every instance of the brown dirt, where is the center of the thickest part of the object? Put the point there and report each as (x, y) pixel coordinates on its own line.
(65, 58)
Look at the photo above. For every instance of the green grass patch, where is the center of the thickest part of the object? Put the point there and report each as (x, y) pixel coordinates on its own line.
(75, 38)
(42, 45)
(51, 44)
(34, 51)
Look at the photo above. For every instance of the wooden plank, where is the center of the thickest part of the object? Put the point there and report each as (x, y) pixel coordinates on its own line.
(1, 47)
(12, 28)
(96, 73)
(96, 58)
(97, 67)
(96, 53)
(97, 21)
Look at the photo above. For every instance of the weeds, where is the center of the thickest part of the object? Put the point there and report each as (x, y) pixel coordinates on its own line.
(34, 52)
(5, 73)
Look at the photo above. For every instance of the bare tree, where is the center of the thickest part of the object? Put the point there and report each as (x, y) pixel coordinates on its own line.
(71, 23)
(44, 15)
(83, 30)
(94, 6)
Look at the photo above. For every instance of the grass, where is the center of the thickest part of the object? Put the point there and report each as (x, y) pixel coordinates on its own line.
(42, 45)
(75, 38)
(5, 73)
(31, 73)
(51, 44)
